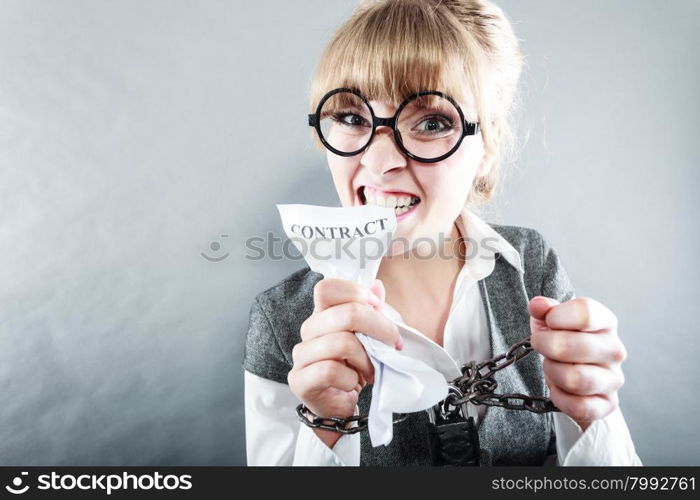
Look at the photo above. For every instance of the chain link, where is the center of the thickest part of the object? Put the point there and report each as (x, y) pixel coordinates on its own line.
(479, 388)
(472, 386)
(338, 424)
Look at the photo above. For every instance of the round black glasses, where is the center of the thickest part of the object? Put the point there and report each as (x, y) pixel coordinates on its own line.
(428, 126)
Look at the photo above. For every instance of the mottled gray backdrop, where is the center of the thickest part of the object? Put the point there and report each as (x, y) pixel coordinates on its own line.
(136, 138)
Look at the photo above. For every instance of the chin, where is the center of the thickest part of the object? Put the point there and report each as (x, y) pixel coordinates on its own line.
(402, 242)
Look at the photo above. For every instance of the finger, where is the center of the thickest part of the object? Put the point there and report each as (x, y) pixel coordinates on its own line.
(581, 408)
(338, 346)
(581, 314)
(579, 347)
(378, 289)
(323, 375)
(353, 317)
(583, 379)
(333, 291)
(539, 306)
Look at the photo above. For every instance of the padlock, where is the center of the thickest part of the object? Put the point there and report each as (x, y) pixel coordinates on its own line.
(452, 435)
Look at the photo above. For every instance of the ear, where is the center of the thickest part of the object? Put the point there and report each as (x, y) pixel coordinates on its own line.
(486, 164)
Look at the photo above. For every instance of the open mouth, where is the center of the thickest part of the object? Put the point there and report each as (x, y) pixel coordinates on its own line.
(401, 201)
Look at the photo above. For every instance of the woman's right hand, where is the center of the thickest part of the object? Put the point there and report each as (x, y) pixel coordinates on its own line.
(331, 365)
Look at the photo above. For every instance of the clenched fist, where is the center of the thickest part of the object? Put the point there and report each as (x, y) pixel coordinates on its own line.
(331, 365)
(582, 355)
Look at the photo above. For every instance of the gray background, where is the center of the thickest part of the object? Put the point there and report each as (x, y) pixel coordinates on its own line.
(133, 135)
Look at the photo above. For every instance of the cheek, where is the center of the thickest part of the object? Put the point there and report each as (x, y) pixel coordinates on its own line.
(450, 182)
(469, 156)
(342, 171)
(465, 167)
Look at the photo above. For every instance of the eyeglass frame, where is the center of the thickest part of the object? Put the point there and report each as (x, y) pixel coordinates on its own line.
(468, 128)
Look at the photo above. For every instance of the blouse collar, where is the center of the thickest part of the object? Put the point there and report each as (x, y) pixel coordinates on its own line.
(485, 241)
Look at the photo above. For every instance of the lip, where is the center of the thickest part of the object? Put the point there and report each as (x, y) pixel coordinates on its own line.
(387, 192)
(360, 200)
(404, 215)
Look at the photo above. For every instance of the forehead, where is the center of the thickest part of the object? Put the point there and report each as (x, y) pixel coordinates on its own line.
(393, 49)
(466, 102)
(382, 75)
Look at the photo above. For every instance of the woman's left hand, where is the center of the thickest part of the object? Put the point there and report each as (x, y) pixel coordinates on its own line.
(582, 355)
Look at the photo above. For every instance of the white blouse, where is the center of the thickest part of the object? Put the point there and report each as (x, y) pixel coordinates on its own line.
(274, 436)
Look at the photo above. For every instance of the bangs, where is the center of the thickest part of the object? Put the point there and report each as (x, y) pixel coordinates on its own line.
(392, 50)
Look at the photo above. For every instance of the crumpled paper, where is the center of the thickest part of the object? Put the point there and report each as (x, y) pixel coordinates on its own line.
(349, 243)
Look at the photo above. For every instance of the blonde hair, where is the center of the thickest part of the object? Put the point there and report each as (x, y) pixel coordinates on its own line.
(389, 49)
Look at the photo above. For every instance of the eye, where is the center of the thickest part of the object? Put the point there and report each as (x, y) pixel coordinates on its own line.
(350, 119)
(435, 124)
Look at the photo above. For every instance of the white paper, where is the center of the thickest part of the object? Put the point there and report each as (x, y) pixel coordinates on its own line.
(349, 243)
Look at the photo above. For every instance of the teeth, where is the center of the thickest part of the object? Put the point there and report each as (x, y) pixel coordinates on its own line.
(400, 204)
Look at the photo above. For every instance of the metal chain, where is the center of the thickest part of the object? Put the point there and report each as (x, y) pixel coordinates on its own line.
(478, 388)
(472, 386)
(338, 424)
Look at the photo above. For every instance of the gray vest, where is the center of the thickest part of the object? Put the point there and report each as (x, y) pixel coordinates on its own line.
(507, 437)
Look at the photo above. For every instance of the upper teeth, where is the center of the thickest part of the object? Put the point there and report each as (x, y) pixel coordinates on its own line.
(400, 204)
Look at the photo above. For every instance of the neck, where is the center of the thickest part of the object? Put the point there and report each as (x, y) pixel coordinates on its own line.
(414, 273)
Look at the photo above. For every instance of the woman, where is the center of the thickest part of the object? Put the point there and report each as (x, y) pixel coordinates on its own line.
(410, 102)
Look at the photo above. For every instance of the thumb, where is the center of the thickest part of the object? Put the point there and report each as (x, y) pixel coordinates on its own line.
(377, 289)
(539, 306)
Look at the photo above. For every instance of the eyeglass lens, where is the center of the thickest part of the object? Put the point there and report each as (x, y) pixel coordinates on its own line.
(429, 126)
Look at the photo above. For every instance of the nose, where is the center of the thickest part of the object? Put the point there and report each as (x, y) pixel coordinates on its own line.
(383, 156)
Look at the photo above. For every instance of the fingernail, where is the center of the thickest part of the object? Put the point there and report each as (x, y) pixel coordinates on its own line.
(399, 344)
